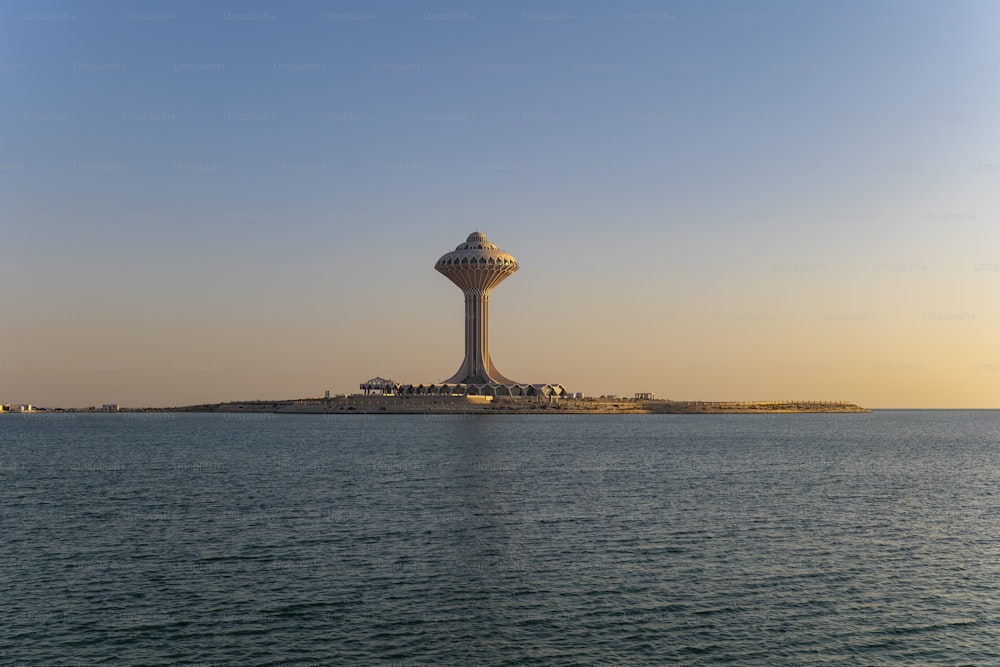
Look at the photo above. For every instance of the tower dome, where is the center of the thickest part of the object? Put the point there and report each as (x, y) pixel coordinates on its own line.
(477, 264)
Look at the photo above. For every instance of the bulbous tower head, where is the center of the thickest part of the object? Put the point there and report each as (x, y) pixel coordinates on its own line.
(477, 265)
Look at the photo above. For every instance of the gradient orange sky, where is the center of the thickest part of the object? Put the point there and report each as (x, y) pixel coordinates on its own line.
(774, 203)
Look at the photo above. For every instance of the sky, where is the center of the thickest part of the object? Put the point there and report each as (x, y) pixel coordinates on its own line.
(205, 202)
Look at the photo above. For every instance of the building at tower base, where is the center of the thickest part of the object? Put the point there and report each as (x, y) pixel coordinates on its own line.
(511, 390)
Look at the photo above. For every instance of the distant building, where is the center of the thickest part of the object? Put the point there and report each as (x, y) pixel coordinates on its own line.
(380, 386)
(644, 396)
(111, 407)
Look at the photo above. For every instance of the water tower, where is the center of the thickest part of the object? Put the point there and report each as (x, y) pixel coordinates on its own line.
(477, 266)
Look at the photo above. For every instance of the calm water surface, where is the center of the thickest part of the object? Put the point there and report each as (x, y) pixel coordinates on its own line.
(161, 539)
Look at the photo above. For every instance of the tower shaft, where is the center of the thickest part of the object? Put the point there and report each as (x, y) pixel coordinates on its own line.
(477, 368)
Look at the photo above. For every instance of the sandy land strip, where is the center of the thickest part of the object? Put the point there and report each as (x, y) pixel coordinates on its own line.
(368, 405)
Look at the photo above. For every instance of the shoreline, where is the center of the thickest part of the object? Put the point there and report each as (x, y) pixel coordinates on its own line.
(444, 405)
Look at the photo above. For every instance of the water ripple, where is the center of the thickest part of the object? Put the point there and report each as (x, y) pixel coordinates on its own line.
(792, 539)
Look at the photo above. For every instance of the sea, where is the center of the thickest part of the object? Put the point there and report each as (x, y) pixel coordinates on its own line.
(261, 539)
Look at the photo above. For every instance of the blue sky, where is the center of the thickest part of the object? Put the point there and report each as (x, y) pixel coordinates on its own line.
(303, 164)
